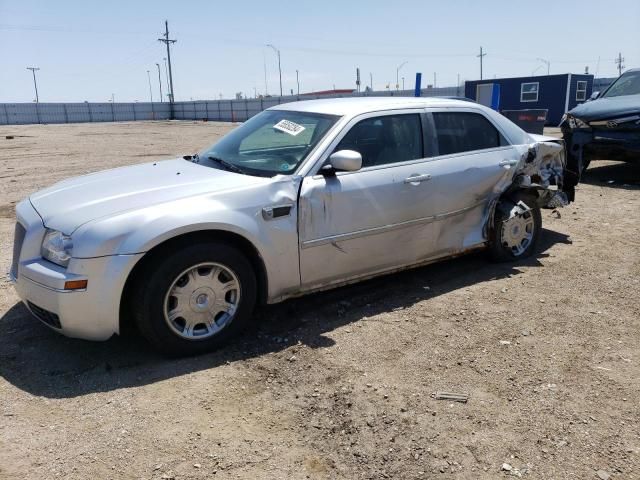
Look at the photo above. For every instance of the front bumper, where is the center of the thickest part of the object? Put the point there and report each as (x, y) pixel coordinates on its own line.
(584, 145)
(92, 313)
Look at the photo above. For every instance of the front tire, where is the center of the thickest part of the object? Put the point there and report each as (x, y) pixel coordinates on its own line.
(516, 228)
(196, 299)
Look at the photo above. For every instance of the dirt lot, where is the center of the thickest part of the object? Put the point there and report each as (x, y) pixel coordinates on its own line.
(338, 385)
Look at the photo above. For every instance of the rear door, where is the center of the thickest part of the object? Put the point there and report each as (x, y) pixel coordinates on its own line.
(472, 162)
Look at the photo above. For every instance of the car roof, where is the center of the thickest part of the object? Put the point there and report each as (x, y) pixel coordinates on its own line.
(358, 105)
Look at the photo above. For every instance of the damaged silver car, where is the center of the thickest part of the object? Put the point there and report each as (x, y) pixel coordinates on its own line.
(302, 197)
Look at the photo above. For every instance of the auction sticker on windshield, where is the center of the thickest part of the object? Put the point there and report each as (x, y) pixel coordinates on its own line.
(289, 127)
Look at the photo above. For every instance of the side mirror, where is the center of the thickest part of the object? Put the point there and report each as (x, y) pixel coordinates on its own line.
(343, 161)
(594, 95)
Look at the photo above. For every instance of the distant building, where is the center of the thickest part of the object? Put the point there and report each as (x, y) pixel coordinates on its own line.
(555, 93)
(339, 91)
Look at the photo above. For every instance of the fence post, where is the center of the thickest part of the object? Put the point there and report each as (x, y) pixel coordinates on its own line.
(219, 112)
(113, 114)
(232, 113)
(153, 113)
(134, 111)
(6, 112)
(89, 110)
(206, 108)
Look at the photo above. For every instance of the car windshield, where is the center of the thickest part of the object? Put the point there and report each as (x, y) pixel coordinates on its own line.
(627, 84)
(271, 143)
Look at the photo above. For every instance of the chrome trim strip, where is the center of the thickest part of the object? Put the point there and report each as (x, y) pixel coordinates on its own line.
(387, 228)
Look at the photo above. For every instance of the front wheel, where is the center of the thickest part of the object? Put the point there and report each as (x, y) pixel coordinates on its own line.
(516, 228)
(196, 299)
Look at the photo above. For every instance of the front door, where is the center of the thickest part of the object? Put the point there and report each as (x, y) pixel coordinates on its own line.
(358, 223)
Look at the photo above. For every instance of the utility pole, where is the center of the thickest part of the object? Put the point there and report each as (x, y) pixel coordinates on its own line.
(398, 73)
(279, 67)
(150, 91)
(403, 84)
(618, 61)
(168, 42)
(35, 84)
(371, 80)
(159, 81)
(481, 56)
(358, 79)
(298, 81)
(547, 63)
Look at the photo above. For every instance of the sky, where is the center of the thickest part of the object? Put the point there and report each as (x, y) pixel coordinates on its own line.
(91, 50)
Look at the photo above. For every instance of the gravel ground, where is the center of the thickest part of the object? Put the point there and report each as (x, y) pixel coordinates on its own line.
(339, 384)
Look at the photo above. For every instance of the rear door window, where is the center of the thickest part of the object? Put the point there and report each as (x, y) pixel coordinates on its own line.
(458, 132)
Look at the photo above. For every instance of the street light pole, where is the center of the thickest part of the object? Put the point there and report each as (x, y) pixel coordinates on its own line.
(166, 73)
(298, 81)
(398, 73)
(35, 84)
(279, 67)
(150, 91)
(159, 81)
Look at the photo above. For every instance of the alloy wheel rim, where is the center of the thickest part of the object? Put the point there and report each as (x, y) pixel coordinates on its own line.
(517, 232)
(202, 300)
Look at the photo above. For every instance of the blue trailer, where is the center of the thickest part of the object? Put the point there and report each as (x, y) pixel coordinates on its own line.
(556, 93)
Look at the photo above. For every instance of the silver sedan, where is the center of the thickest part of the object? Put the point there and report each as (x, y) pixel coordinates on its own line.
(302, 197)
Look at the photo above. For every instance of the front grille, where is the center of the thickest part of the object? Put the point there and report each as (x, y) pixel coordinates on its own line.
(18, 239)
(45, 316)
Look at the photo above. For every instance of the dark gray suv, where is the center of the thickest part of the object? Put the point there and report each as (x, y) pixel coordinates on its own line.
(607, 127)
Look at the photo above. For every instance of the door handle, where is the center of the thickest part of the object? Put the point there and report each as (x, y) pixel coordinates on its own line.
(416, 179)
(508, 163)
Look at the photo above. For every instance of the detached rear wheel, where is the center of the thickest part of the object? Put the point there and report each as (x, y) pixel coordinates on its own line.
(196, 299)
(516, 228)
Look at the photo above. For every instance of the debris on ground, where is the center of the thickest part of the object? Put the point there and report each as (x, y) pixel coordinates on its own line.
(454, 397)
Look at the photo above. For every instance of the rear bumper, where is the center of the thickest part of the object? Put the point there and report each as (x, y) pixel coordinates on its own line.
(92, 313)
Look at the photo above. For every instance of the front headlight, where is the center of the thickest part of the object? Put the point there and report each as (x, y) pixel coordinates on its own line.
(57, 247)
(575, 123)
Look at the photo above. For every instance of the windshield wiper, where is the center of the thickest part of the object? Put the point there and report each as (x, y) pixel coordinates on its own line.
(227, 165)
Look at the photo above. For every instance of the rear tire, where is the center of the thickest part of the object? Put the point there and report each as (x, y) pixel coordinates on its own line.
(516, 228)
(196, 299)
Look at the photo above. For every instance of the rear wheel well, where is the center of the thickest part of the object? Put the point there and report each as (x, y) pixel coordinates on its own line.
(166, 247)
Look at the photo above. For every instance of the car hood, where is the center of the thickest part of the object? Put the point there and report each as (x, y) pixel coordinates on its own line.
(70, 203)
(605, 108)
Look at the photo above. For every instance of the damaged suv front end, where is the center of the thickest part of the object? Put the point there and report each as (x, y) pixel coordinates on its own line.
(607, 128)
